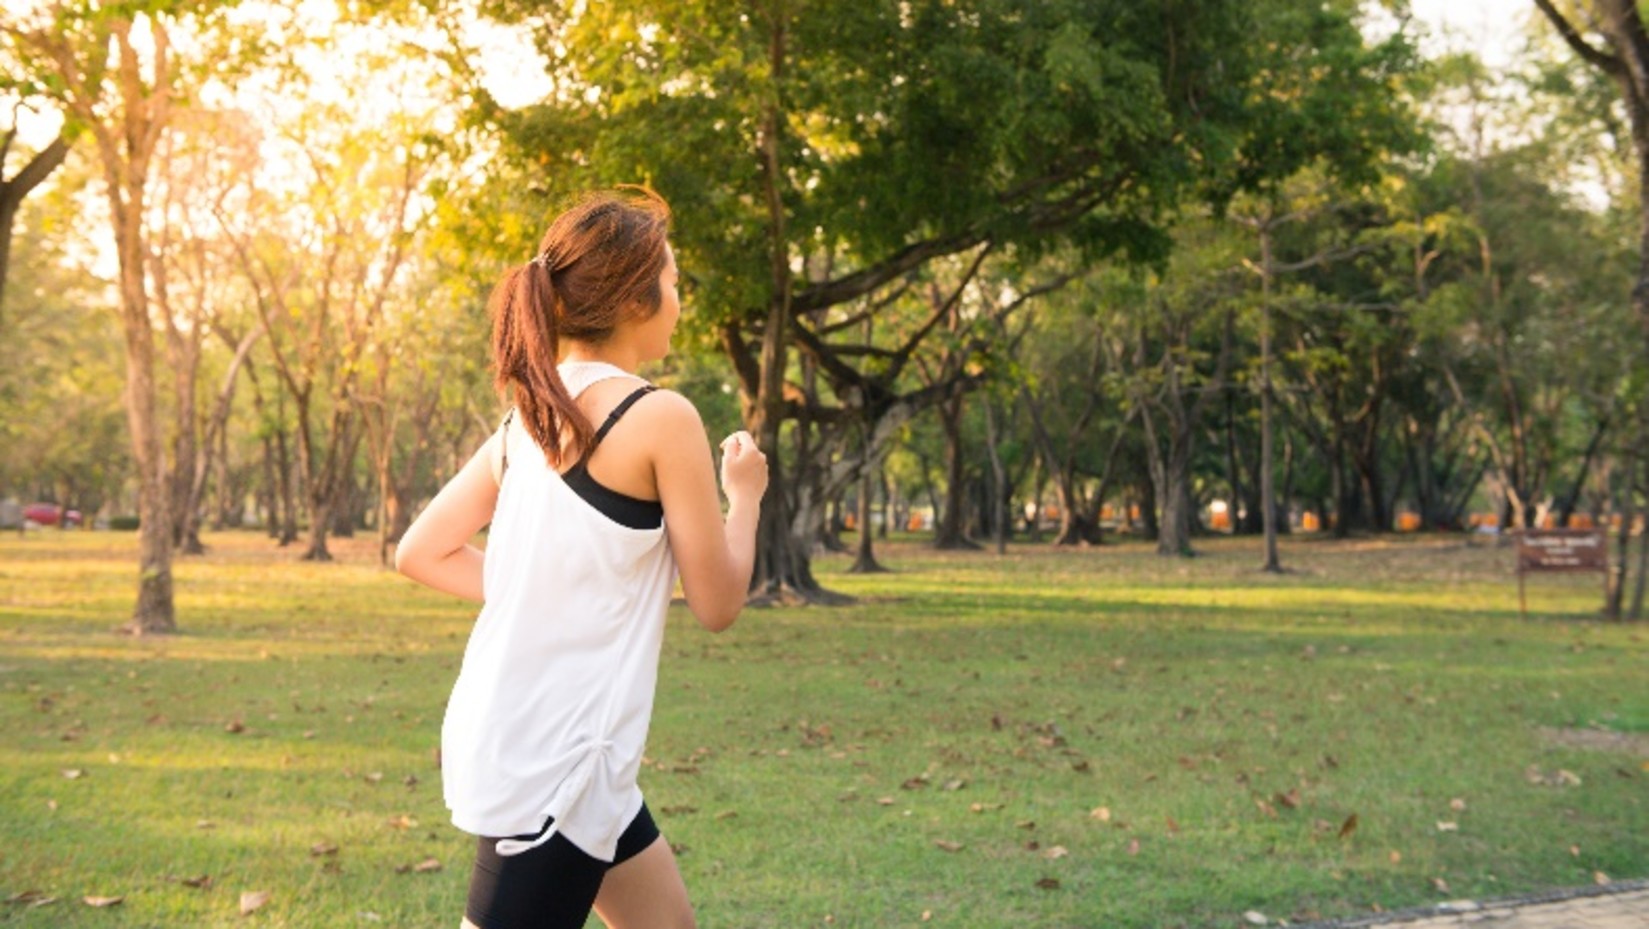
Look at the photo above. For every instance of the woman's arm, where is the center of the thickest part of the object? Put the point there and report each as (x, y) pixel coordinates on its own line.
(436, 548)
(715, 556)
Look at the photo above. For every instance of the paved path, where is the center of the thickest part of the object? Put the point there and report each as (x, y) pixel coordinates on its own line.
(1622, 905)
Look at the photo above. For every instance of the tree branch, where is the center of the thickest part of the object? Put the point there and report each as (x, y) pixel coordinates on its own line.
(1571, 35)
(864, 281)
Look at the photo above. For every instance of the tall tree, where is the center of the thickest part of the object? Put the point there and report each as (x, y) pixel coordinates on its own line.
(88, 55)
(1612, 37)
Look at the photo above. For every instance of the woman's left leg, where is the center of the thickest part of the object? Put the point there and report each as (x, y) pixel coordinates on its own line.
(645, 892)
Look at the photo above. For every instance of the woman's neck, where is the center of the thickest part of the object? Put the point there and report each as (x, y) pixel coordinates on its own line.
(581, 353)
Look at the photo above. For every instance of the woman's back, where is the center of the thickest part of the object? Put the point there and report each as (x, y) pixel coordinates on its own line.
(559, 673)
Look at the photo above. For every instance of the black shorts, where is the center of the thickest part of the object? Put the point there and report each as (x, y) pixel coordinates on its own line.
(548, 887)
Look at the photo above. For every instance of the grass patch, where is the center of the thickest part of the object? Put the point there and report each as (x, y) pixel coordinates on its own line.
(811, 761)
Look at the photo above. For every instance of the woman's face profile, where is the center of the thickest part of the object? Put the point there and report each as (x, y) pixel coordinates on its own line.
(655, 331)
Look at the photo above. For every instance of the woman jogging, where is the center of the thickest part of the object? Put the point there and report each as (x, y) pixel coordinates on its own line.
(599, 489)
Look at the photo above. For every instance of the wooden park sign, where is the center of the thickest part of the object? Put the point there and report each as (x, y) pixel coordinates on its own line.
(1563, 551)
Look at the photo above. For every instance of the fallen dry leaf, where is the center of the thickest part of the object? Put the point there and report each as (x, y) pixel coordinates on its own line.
(1457, 804)
(323, 848)
(885, 801)
(1395, 856)
(202, 881)
(1349, 826)
(1446, 826)
(1101, 813)
(1255, 918)
(427, 866)
(1048, 883)
(1026, 824)
(101, 902)
(1056, 852)
(1441, 885)
(402, 822)
(1290, 799)
(234, 727)
(74, 774)
(252, 900)
(1599, 878)
(948, 845)
(26, 896)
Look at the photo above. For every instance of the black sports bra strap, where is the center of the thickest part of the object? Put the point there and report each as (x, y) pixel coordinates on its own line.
(618, 411)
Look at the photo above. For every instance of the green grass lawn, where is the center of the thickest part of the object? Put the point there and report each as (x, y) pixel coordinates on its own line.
(1065, 739)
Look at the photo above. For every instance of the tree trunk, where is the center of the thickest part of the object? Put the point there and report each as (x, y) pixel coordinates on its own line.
(185, 449)
(887, 503)
(999, 490)
(1174, 495)
(1344, 508)
(388, 500)
(782, 570)
(286, 490)
(1268, 475)
(1613, 605)
(1643, 547)
(864, 559)
(1150, 524)
(1566, 508)
(228, 496)
(951, 532)
(267, 497)
(154, 612)
(320, 523)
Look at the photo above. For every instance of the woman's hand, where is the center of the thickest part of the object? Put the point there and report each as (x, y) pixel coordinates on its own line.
(743, 470)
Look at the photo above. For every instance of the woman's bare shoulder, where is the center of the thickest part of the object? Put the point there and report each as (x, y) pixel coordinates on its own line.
(669, 415)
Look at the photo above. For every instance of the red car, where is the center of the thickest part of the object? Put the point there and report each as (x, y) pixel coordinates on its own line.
(49, 514)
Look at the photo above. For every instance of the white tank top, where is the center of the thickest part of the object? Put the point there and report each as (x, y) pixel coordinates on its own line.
(550, 712)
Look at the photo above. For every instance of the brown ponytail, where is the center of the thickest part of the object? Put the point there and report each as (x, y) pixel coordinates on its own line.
(597, 266)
